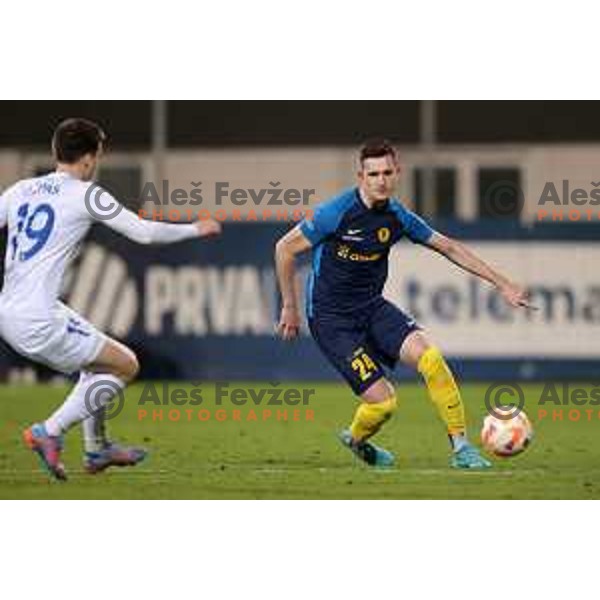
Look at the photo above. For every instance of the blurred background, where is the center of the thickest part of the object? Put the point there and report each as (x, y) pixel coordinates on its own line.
(515, 179)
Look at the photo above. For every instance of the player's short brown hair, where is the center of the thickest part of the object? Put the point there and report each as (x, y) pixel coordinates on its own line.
(74, 138)
(376, 148)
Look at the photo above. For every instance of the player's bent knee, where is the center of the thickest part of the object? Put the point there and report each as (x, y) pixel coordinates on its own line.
(380, 391)
(413, 348)
(134, 367)
(130, 366)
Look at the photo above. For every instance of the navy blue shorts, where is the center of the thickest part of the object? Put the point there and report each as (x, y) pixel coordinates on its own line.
(360, 344)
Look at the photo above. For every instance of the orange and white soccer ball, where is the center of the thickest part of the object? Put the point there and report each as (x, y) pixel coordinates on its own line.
(506, 434)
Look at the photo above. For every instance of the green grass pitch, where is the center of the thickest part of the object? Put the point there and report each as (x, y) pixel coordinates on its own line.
(298, 459)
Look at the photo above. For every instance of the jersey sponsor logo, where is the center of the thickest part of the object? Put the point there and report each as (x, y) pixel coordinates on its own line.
(346, 253)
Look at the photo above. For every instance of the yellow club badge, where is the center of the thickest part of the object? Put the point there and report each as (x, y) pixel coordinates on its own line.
(383, 234)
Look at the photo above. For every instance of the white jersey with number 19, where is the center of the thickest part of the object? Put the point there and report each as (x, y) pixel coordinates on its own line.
(47, 219)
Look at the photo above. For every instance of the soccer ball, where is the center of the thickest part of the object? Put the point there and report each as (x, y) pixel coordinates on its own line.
(506, 434)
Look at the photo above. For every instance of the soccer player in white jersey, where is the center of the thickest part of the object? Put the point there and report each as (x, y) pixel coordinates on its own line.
(47, 219)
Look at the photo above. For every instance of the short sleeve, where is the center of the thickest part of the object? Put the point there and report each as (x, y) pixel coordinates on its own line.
(326, 218)
(415, 228)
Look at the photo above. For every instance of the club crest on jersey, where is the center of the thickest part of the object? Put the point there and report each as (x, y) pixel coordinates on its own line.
(383, 234)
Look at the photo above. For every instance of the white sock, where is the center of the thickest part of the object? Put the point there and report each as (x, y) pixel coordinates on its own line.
(94, 431)
(92, 392)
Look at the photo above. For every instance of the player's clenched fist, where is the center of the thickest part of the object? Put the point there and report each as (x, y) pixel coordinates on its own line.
(289, 323)
(208, 227)
(515, 295)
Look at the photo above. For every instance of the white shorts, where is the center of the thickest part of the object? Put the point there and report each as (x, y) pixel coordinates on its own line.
(62, 340)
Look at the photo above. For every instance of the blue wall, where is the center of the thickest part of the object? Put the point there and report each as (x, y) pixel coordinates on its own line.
(247, 352)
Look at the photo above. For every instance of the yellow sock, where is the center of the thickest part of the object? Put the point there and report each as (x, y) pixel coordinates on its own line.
(369, 418)
(443, 390)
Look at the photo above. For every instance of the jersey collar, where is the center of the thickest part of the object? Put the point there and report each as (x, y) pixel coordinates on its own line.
(63, 174)
(362, 202)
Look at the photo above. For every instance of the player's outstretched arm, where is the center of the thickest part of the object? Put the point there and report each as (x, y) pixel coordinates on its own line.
(461, 255)
(143, 231)
(292, 243)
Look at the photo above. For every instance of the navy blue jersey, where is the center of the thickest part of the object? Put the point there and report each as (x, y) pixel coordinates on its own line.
(351, 244)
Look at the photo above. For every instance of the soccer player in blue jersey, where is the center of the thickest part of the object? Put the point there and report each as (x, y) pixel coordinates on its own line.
(355, 327)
